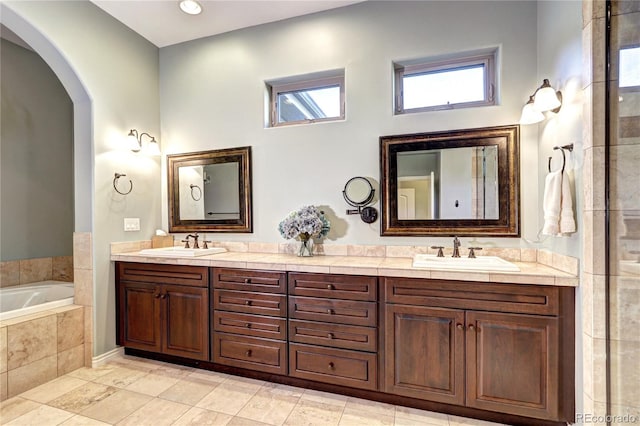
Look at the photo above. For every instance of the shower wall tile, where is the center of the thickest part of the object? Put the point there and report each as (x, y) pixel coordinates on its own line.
(70, 329)
(625, 175)
(625, 309)
(31, 341)
(9, 273)
(62, 268)
(625, 372)
(82, 250)
(35, 270)
(593, 174)
(592, 9)
(32, 375)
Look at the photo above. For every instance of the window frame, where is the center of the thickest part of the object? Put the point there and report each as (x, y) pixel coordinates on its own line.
(487, 60)
(304, 83)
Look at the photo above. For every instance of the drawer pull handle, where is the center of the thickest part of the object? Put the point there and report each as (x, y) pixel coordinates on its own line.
(248, 353)
(460, 326)
(247, 302)
(330, 287)
(332, 366)
(248, 325)
(330, 311)
(471, 327)
(330, 336)
(247, 280)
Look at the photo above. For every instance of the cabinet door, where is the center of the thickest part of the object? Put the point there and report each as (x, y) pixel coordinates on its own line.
(186, 320)
(140, 316)
(424, 353)
(513, 364)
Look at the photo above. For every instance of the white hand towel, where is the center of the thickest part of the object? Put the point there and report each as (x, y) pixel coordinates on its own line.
(551, 203)
(567, 222)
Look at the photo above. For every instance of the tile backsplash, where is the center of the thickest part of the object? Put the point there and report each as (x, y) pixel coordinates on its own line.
(26, 271)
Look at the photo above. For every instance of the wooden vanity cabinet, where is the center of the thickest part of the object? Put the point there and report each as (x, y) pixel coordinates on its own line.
(494, 347)
(249, 319)
(163, 309)
(333, 329)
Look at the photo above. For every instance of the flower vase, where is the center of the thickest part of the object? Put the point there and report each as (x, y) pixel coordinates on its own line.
(306, 247)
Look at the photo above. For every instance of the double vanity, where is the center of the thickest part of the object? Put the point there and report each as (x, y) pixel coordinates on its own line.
(487, 343)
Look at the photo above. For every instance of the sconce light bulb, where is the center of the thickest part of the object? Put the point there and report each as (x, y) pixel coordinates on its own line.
(530, 115)
(153, 148)
(132, 141)
(546, 98)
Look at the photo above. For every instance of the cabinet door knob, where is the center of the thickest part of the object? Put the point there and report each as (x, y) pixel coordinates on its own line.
(330, 287)
(460, 326)
(248, 325)
(331, 366)
(330, 336)
(157, 295)
(247, 302)
(248, 353)
(163, 295)
(247, 280)
(471, 327)
(330, 311)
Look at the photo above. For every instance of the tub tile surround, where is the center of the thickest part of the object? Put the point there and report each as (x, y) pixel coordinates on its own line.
(536, 266)
(27, 271)
(83, 286)
(37, 348)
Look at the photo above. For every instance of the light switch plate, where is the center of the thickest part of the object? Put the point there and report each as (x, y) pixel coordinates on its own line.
(131, 224)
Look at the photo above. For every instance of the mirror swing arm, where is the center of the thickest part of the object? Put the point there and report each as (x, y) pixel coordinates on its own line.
(367, 213)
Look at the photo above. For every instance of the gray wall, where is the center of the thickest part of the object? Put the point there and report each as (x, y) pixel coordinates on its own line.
(111, 74)
(212, 96)
(36, 158)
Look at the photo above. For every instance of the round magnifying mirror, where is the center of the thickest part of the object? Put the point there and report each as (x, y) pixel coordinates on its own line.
(358, 191)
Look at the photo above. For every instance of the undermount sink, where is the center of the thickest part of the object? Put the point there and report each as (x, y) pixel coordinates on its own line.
(480, 263)
(177, 251)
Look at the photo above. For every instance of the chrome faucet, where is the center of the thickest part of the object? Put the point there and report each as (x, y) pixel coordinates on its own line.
(456, 247)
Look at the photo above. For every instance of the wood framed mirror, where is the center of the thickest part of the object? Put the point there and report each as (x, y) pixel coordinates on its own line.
(210, 191)
(458, 182)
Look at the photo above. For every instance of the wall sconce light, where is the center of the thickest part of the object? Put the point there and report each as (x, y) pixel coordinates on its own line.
(134, 141)
(545, 98)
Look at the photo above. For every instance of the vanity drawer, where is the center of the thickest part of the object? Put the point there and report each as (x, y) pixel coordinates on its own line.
(516, 298)
(333, 335)
(196, 276)
(250, 352)
(250, 280)
(250, 303)
(332, 310)
(348, 287)
(250, 325)
(337, 366)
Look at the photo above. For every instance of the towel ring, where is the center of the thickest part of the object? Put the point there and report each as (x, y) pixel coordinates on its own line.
(569, 148)
(192, 186)
(115, 183)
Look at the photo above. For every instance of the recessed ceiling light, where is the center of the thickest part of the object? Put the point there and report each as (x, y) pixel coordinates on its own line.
(192, 7)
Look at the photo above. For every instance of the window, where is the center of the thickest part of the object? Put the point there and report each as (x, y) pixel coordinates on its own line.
(307, 99)
(629, 78)
(460, 82)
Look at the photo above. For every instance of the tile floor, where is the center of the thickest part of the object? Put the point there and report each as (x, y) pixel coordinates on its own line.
(137, 392)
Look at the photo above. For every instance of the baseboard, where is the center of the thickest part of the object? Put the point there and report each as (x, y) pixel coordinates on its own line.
(99, 360)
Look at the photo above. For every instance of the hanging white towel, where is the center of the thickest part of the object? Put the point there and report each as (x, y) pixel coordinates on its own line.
(567, 222)
(551, 203)
(558, 205)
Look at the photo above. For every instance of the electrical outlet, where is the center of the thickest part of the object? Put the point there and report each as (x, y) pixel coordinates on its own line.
(131, 224)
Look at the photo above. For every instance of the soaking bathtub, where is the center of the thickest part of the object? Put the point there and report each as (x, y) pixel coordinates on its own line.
(27, 299)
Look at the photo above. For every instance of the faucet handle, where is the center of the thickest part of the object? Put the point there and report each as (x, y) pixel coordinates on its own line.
(472, 253)
(186, 242)
(205, 244)
(440, 253)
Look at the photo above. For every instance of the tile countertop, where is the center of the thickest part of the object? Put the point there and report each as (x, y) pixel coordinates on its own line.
(530, 272)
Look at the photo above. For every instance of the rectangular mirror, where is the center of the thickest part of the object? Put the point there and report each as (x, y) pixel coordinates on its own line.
(461, 182)
(210, 191)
